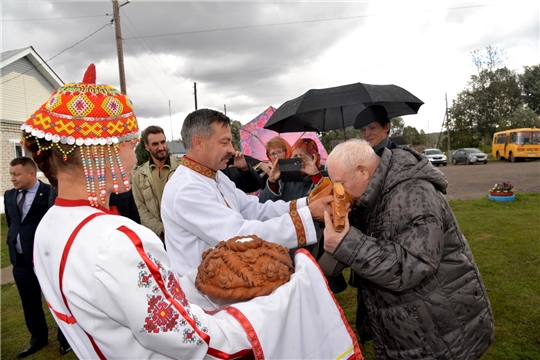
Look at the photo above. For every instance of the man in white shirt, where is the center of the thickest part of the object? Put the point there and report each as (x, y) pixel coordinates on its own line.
(202, 207)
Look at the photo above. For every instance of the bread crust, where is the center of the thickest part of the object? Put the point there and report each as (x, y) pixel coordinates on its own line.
(339, 204)
(242, 270)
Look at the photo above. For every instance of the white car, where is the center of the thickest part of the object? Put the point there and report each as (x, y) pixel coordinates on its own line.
(436, 156)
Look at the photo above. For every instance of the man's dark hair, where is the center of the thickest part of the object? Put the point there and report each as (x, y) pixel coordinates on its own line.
(152, 129)
(24, 161)
(199, 122)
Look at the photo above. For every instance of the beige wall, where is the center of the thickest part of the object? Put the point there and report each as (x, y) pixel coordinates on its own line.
(24, 89)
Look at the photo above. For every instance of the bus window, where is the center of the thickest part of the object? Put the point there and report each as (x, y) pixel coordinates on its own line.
(536, 137)
(524, 138)
(512, 137)
(501, 138)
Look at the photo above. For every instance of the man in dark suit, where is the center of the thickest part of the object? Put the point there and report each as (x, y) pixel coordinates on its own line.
(24, 206)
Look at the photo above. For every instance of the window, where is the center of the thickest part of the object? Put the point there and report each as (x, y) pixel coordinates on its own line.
(19, 150)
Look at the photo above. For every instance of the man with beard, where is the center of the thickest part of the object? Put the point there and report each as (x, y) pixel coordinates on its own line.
(150, 178)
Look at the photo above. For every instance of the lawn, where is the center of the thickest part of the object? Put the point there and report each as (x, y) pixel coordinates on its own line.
(504, 237)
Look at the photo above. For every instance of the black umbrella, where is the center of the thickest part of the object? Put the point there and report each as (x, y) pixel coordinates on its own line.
(337, 107)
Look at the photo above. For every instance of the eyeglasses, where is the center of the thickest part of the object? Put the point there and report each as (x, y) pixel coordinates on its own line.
(276, 153)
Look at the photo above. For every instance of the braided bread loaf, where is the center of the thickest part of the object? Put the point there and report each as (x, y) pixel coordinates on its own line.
(242, 268)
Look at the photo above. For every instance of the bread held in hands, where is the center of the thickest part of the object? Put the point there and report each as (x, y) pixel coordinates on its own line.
(243, 267)
(339, 204)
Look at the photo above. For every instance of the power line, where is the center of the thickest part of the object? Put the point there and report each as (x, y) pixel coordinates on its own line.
(69, 47)
(155, 82)
(58, 18)
(286, 23)
(155, 55)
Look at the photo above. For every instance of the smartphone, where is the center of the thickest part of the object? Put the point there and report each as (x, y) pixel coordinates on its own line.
(290, 170)
(231, 161)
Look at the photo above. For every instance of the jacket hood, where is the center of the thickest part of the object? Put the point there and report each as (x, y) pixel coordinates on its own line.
(397, 166)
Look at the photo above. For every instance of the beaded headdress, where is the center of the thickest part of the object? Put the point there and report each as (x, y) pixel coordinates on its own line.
(96, 118)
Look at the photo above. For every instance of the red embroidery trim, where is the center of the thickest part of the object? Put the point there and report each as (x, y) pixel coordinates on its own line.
(298, 224)
(63, 317)
(250, 331)
(198, 168)
(159, 280)
(63, 260)
(221, 355)
(357, 352)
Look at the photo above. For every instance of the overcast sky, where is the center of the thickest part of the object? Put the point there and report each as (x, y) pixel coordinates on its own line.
(251, 55)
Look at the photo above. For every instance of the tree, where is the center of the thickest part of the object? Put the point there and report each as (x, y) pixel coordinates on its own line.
(397, 126)
(327, 136)
(523, 117)
(142, 154)
(488, 101)
(411, 135)
(422, 138)
(489, 58)
(530, 87)
(235, 131)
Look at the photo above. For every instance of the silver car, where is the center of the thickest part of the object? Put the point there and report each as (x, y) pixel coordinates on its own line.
(436, 156)
(469, 156)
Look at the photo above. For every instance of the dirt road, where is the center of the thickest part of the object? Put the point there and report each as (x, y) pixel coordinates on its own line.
(474, 181)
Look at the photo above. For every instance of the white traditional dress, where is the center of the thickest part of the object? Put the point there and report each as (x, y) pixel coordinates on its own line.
(108, 283)
(201, 207)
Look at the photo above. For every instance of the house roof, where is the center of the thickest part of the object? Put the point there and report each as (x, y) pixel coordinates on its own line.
(176, 147)
(10, 56)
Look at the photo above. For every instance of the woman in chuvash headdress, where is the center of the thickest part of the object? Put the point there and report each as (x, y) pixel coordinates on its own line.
(107, 279)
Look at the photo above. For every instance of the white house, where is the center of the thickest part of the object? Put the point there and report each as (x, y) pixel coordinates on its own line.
(26, 83)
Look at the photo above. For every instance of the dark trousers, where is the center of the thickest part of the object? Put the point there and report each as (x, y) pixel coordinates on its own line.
(30, 293)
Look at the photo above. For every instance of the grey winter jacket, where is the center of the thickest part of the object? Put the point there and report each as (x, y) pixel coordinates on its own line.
(420, 293)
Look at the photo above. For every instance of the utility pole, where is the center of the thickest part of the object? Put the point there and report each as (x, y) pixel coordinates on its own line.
(119, 48)
(195, 87)
(225, 109)
(170, 119)
(447, 126)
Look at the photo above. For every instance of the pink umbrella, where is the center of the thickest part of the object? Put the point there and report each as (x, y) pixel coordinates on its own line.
(253, 137)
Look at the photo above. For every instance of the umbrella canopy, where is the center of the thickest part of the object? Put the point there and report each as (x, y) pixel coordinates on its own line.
(253, 137)
(337, 107)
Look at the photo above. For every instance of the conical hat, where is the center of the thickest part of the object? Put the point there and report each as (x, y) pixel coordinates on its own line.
(85, 114)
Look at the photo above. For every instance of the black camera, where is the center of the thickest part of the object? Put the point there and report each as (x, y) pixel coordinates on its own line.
(290, 170)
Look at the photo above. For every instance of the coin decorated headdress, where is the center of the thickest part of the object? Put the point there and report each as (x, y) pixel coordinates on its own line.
(96, 118)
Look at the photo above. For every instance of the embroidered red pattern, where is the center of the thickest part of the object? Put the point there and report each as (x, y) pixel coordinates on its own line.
(163, 316)
(357, 352)
(250, 331)
(298, 224)
(198, 168)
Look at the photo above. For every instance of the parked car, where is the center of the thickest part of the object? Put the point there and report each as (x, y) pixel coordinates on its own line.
(469, 156)
(436, 156)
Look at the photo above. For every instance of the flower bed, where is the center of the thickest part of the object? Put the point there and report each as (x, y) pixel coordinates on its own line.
(502, 192)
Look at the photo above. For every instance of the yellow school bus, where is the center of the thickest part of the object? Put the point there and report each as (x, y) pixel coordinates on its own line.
(516, 144)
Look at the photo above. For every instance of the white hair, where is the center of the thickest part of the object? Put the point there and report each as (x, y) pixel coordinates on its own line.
(351, 153)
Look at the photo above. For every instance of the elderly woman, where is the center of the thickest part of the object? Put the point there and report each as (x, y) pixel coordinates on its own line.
(108, 280)
(374, 126)
(310, 159)
(276, 148)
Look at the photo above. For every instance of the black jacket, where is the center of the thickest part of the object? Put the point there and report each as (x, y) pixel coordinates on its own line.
(248, 181)
(26, 228)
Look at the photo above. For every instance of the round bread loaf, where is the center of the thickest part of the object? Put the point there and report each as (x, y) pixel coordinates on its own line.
(242, 268)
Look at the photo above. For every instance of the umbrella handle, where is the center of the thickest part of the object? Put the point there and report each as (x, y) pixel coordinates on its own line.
(343, 123)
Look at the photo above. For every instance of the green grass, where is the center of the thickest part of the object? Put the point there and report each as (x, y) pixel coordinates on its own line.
(4, 253)
(505, 240)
